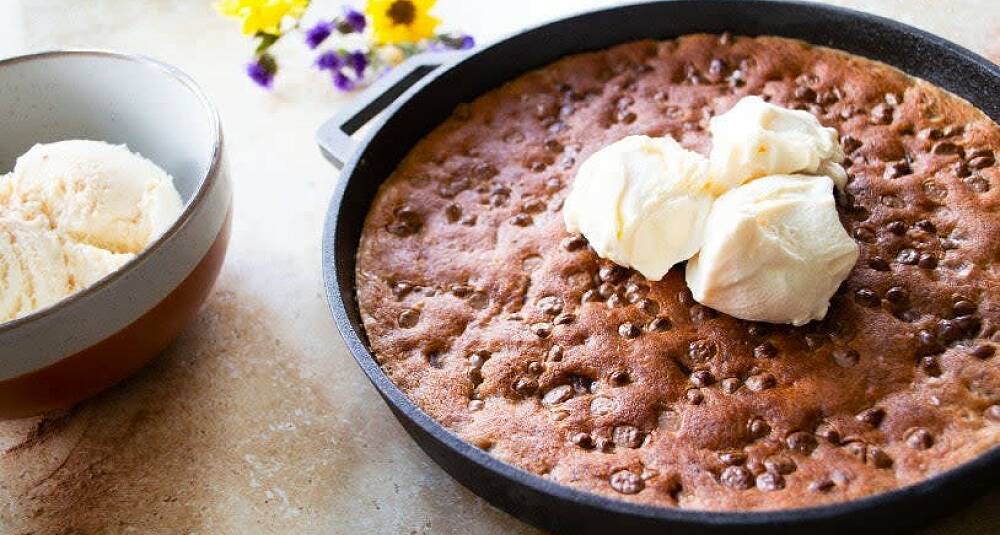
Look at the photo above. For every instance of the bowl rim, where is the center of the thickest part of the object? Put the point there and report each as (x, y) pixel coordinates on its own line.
(403, 407)
(205, 183)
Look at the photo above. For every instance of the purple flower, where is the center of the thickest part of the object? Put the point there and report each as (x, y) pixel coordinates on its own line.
(357, 61)
(329, 61)
(355, 19)
(318, 33)
(352, 21)
(466, 42)
(457, 42)
(262, 70)
(342, 82)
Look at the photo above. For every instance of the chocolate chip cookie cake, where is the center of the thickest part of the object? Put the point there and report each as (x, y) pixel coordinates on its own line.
(515, 335)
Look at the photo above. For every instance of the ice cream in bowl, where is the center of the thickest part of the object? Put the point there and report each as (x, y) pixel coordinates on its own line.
(114, 218)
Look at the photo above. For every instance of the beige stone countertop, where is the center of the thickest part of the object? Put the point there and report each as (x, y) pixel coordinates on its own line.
(257, 419)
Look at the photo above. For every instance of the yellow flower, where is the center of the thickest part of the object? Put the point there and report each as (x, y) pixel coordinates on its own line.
(401, 21)
(262, 16)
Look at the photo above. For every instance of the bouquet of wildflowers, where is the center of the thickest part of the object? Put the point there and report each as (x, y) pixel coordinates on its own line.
(390, 30)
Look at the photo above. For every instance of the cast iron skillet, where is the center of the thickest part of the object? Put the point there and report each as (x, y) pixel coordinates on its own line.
(420, 94)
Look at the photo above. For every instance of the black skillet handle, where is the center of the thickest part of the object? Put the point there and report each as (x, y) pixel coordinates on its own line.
(334, 137)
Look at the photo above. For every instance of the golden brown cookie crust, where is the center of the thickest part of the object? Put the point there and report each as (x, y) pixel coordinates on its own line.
(513, 334)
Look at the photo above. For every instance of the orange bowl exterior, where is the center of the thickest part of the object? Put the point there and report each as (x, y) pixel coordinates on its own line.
(94, 369)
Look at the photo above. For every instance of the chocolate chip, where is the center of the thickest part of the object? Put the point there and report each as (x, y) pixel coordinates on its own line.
(649, 306)
(897, 295)
(619, 378)
(564, 319)
(930, 134)
(908, 257)
(945, 147)
(964, 307)
(779, 464)
(730, 385)
(983, 351)
(867, 297)
(616, 300)
(541, 329)
(658, 324)
(761, 382)
(408, 318)
(694, 396)
(765, 350)
(557, 395)
(927, 261)
(872, 416)
(878, 264)
(574, 243)
(582, 440)
(550, 305)
(802, 442)
(850, 144)
(878, 458)
(590, 296)
(407, 222)
(805, 93)
(521, 220)
(626, 482)
(626, 436)
(736, 477)
(401, 288)
(525, 386)
(555, 353)
(580, 384)
(828, 432)
(628, 330)
(978, 183)
(606, 289)
(858, 449)
(881, 114)
(758, 428)
(948, 331)
(701, 378)
(612, 274)
(897, 170)
(453, 212)
(970, 325)
(475, 375)
(930, 366)
(926, 225)
(478, 358)
(701, 313)
(981, 162)
(733, 458)
(864, 234)
(821, 485)
(846, 357)
(769, 482)
(701, 350)
(896, 227)
(919, 438)
(534, 367)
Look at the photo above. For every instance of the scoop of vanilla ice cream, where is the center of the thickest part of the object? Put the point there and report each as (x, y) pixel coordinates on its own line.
(38, 268)
(95, 193)
(641, 202)
(774, 251)
(756, 139)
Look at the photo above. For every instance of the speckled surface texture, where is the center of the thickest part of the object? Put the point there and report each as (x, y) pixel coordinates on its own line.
(514, 334)
(257, 420)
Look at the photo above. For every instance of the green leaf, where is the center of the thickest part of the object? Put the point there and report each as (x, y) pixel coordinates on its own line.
(266, 40)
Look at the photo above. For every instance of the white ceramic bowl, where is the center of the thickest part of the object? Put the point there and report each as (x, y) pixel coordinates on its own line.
(61, 354)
